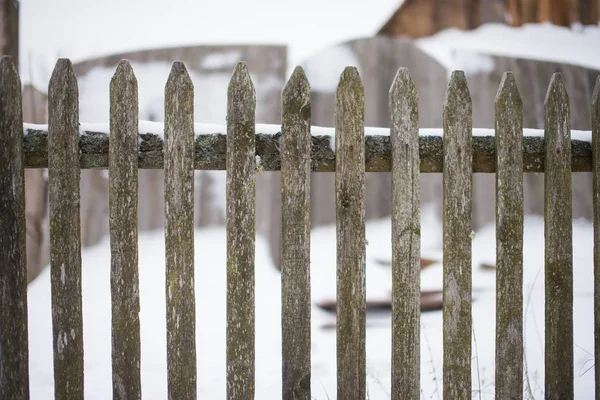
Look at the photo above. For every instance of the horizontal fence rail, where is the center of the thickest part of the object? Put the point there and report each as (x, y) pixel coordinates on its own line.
(295, 148)
(210, 150)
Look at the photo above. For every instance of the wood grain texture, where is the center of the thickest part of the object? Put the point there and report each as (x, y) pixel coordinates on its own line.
(65, 231)
(14, 354)
(241, 231)
(123, 203)
(509, 240)
(457, 228)
(210, 150)
(295, 236)
(350, 232)
(406, 237)
(179, 238)
(596, 202)
(558, 234)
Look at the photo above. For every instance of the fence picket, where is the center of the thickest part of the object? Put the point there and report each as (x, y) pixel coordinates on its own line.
(14, 354)
(179, 234)
(558, 233)
(123, 201)
(65, 231)
(295, 235)
(509, 240)
(596, 200)
(350, 229)
(406, 237)
(241, 221)
(457, 228)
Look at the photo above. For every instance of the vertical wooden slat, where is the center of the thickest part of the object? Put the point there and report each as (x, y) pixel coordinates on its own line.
(123, 200)
(241, 221)
(65, 231)
(179, 228)
(14, 358)
(406, 237)
(509, 240)
(596, 202)
(350, 228)
(458, 125)
(295, 234)
(558, 231)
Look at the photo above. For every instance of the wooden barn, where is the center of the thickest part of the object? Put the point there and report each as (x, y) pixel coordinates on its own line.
(420, 18)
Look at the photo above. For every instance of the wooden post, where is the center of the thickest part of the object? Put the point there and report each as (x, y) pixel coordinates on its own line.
(65, 231)
(14, 355)
(179, 234)
(558, 234)
(457, 227)
(295, 234)
(123, 201)
(350, 229)
(596, 202)
(241, 230)
(9, 30)
(509, 240)
(406, 237)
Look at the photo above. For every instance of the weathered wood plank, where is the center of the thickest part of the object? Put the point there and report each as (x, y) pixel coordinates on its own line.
(210, 152)
(558, 233)
(596, 202)
(179, 230)
(241, 230)
(123, 202)
(14, 354)
(295, 238)
(350, 232)
(406, 237)
(457, 227)
(65, 231)
(509, 240)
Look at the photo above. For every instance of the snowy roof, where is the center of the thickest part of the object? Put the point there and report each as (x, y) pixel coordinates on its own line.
(456, 49)
(83, 29)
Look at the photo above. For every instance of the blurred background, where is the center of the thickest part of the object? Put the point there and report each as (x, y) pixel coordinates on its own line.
(485, 38)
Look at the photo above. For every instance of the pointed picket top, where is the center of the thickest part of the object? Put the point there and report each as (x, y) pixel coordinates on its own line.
(457, 96)
(296, 93)
(124, 73)
(63, 76)
(403, 84)
(350, 81)
(179, 80)
(556, 106)
(240, 94)
(8, 70)
(508, 92)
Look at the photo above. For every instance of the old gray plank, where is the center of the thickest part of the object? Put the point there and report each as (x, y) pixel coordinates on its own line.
(241, 229)
(596, 201)
(65, 231)
(179, 230)
(295, 235)
(211, 149)
(350, 232)
(14, 355)
(406, 237)
(457, 116)
(509, 240)
(123, 202)
(558, 233)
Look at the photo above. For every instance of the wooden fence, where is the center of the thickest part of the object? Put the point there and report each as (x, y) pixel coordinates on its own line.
(296, 153)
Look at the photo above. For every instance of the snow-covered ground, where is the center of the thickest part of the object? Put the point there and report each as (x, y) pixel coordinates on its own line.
(210, 247)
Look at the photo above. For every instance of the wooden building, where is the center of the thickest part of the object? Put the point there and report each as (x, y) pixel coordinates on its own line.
(419, 18)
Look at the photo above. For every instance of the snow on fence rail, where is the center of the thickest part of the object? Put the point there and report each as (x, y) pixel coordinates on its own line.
(296, 152)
